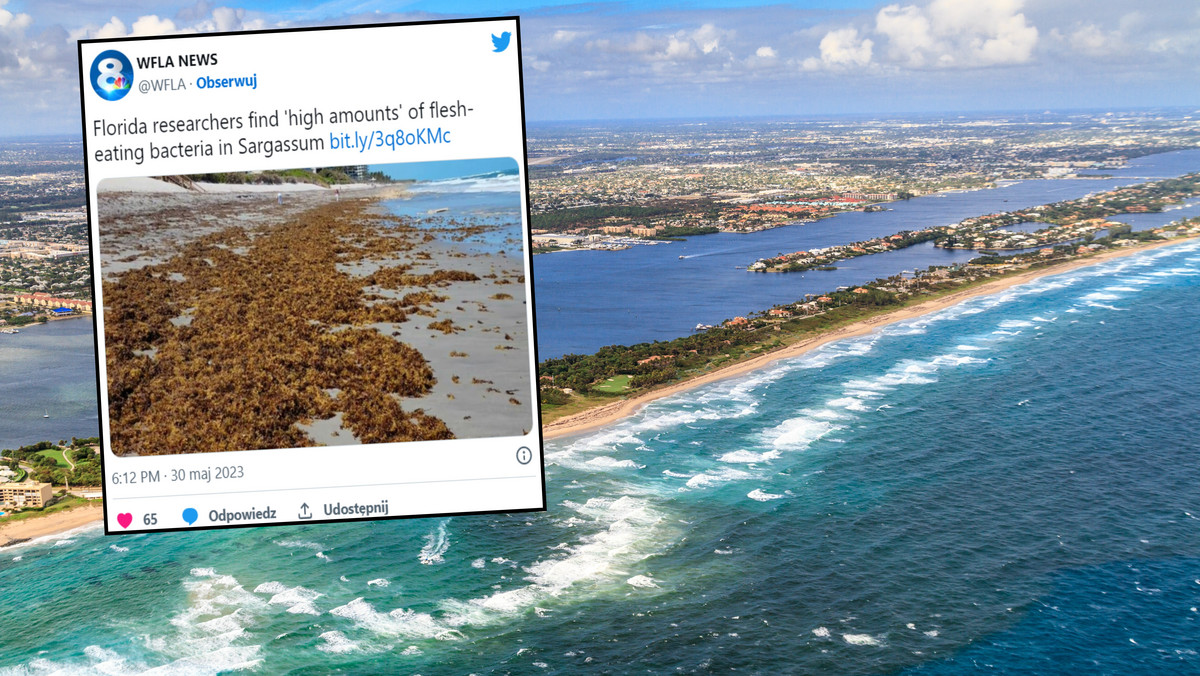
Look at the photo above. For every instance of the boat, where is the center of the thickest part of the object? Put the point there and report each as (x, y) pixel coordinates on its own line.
(46, 414)
(681, 258)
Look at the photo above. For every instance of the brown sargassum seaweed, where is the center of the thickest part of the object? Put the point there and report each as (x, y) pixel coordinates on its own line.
(268, 334)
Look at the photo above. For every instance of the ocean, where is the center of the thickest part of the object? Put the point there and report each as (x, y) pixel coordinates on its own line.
(1009, 485)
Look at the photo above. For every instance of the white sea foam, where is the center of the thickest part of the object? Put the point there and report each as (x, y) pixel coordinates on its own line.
(908, 372)
(436, 544)
(411, 650)
(607, 462)
(642, 582)
(478, 563)
(798, 433)
(399, 622)
(860, 639)
(207, 636)
(740, 456)
(1015, 324)
(336, 642)
(821, 632)
(316, 547)
(117, 549)
(852, 403)
(299, 600)
(378, 582)
(628, 524)
(762, 496)
(503, 183)
(677, 475)
(719, 476)
(270, 588)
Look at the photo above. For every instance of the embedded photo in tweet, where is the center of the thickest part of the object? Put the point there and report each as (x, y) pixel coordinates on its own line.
(313, 282)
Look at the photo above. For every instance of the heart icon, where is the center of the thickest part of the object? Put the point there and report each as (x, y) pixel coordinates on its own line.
(125, 519)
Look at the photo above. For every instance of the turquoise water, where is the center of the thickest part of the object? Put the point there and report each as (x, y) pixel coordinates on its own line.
(1009, 486)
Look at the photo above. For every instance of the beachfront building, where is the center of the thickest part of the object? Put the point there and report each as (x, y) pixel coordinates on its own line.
(48, 301)
(40, 250)
(25, 494)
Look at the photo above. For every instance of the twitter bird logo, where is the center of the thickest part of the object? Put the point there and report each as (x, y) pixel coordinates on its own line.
(501, 42)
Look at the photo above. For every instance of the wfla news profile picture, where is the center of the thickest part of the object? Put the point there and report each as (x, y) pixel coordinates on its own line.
(111, 75)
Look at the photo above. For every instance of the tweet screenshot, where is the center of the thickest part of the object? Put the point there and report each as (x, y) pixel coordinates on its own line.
(312, 275)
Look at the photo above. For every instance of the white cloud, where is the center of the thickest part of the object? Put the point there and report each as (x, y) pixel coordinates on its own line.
(115, 28)
(707, 37)
(152, 25)
(956, 33)
(1092, 41)
(681, 46)
(841, 48)
(13, 22)
(765, 52)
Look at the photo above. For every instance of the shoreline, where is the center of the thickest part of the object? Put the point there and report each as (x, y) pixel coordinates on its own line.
(600, 416)
(28, 530)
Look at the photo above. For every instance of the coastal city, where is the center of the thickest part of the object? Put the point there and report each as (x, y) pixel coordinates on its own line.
(45, 270)
(612, 188)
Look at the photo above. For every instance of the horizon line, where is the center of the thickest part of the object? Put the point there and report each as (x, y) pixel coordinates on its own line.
(772, 116)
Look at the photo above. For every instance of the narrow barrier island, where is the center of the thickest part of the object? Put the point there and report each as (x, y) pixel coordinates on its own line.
(581, 391)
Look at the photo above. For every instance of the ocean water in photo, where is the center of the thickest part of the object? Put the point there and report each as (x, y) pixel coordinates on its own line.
(1009, 485)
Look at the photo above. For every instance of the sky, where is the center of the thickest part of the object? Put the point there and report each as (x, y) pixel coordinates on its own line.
(712, 58)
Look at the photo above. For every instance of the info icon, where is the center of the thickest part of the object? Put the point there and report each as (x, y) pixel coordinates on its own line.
(112, 75)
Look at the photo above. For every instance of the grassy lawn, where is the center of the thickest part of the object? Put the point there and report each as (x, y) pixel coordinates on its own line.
(615, 385)
(57, 456)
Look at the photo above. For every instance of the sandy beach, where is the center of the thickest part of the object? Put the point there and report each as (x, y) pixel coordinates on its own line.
(600, 416)
(17, 532)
